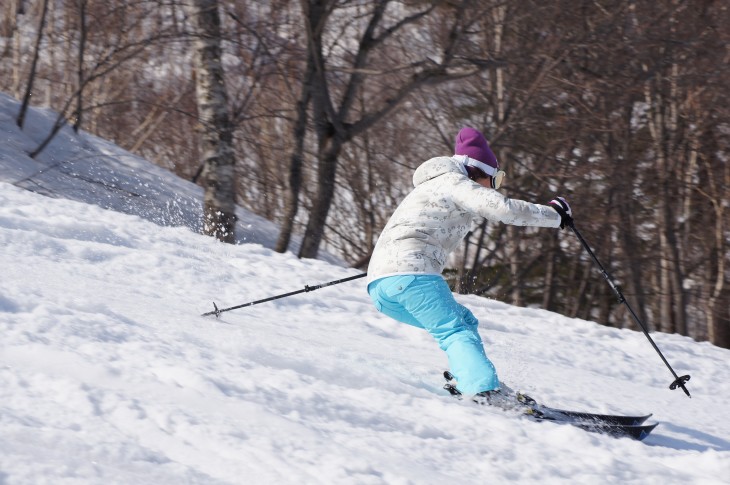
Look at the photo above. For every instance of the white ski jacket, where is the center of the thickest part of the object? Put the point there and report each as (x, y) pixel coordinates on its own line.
(433, 219)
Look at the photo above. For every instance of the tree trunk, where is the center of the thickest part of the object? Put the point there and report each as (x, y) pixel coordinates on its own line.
(630, 245)
(31, 76)
(80, 68)
(461, 275)
(548, 287)
(291, 202)
(316, 13)
(323, 197)
(216, 138)
(718, 315)
(16, 9)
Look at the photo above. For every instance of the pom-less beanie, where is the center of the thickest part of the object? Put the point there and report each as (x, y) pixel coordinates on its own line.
(471, 143)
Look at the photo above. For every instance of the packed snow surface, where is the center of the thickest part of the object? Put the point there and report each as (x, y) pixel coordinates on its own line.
(109, 375)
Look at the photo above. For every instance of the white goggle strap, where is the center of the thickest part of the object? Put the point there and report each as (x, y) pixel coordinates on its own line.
(472, 162)
(496, 174)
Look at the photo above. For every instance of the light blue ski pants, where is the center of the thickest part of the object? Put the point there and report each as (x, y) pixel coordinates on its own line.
(425, 301)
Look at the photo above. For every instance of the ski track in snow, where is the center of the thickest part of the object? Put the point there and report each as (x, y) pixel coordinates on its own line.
(108, 374)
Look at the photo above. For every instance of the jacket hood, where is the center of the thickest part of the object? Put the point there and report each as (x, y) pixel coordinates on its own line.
(436, 167)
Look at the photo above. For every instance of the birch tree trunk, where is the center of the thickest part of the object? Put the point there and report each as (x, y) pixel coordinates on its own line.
(216, 129)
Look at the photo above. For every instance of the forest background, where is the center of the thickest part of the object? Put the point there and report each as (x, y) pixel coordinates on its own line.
(314, 114)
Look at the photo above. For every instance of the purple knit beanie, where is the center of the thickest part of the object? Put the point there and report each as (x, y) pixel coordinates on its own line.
(471, 143)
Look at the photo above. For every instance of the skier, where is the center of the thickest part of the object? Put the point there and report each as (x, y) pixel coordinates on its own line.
(404, 274)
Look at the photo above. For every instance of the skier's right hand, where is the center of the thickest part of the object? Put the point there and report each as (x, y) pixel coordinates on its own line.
(562, 207)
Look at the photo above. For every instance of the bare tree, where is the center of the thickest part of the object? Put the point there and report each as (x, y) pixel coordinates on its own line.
(334, 93)
(128, 41)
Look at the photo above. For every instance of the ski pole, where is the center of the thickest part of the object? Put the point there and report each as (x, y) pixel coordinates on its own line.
(217, 311)
(678, 381)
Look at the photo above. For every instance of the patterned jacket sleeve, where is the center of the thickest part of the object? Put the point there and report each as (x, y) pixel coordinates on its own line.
(492, 205)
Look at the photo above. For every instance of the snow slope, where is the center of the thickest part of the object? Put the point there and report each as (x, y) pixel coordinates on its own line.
(86, 168)
(109, 375)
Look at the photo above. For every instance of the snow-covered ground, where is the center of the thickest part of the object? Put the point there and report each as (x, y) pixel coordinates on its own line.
(108, 373)
(88, 169)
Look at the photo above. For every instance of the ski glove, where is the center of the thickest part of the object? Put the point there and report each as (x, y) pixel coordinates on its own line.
(562, 207)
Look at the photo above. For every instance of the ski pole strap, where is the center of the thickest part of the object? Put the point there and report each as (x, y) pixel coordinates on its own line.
(217, 311)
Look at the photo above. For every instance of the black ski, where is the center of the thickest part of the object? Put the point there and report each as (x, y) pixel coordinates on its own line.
(617, 425)
(637, 432)
(593, 418)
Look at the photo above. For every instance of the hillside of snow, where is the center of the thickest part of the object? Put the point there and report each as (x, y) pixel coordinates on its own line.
(109, 375)
(85, 168)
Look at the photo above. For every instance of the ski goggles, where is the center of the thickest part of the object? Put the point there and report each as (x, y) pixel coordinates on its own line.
(496, 175)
